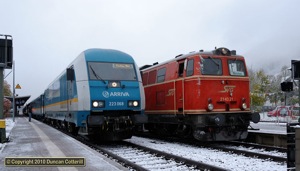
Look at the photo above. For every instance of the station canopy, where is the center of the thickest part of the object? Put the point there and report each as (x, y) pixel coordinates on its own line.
(20, 101)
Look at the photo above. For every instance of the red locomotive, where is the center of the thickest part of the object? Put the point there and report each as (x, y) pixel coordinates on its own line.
(200, 94)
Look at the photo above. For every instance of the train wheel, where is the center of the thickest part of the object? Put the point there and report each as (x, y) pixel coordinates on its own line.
(51, 122)
(72, 128)
(184, 131)
(65, 125)
(59, 124)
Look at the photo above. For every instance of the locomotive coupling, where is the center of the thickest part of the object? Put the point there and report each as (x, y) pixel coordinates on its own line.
(139, 119)
(218, 119)
(95, 120)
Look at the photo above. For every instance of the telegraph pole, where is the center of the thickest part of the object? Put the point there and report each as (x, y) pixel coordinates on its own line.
(5, 62)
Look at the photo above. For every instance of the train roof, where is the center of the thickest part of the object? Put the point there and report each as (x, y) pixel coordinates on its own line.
(101, 55)
(217, 51)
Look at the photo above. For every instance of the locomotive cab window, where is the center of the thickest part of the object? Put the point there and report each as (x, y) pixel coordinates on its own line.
(111, 71)
(211, 66)
(236, 68)
(161, 75)
(190, 68)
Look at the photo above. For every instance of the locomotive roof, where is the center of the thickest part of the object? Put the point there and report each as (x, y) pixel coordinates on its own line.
(183, 56)
(107, 55)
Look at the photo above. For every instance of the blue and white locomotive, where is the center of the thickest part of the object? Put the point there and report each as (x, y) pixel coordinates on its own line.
(99, 94)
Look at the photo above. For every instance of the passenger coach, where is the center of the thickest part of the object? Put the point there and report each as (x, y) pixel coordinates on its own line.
(100, 93)
(200, 94)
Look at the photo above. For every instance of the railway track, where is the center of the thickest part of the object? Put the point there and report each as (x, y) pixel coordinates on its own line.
(258, 146)
(271, 150)
(151, 159)
(141, 158)
(250, 153)
(138, 157)
(249, 150)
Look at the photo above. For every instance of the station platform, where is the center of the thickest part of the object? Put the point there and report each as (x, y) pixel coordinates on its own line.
(34, 140)
(268, 133)
(269, 127)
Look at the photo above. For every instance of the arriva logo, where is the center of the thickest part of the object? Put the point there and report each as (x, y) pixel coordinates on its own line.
(106, 94)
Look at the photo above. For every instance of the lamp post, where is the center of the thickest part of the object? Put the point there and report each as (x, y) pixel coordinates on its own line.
(14, 100)
(14, 91)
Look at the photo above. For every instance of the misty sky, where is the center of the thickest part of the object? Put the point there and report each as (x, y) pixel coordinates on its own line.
(49, 34)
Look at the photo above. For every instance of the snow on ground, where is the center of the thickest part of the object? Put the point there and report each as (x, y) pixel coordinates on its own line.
(9, 125)
(211, 156)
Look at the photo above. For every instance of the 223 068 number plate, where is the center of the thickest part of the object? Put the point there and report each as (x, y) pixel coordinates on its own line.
(116, 104)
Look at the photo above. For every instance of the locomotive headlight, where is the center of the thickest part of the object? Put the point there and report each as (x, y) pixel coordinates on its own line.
(114, 84)
(133, 103)
(210, 107)
(95, 104)
(98, 103)
(244, 106)
(224, 51)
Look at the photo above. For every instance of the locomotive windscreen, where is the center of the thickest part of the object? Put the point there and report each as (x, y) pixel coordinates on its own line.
(111, 71)
(211, 66)
(237, 68)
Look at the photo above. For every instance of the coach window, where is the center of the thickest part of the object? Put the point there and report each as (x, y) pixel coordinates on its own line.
(211, 66)
(190, 68)
(236, 68)
(161, 75)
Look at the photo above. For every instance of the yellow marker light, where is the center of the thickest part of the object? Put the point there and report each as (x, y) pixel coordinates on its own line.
(2, 123)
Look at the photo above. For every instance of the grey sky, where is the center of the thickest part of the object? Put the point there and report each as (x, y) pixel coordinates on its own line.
(48, 35)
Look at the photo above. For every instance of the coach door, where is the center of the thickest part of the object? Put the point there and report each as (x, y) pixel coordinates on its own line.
(179, 86)
(70, 82)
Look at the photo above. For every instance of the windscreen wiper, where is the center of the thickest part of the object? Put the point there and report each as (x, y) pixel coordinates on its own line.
(96, 75)
(214, 61)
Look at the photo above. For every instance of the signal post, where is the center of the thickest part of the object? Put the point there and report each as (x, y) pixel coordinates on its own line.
(6, 61)
(296, 76)
(293, 129)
